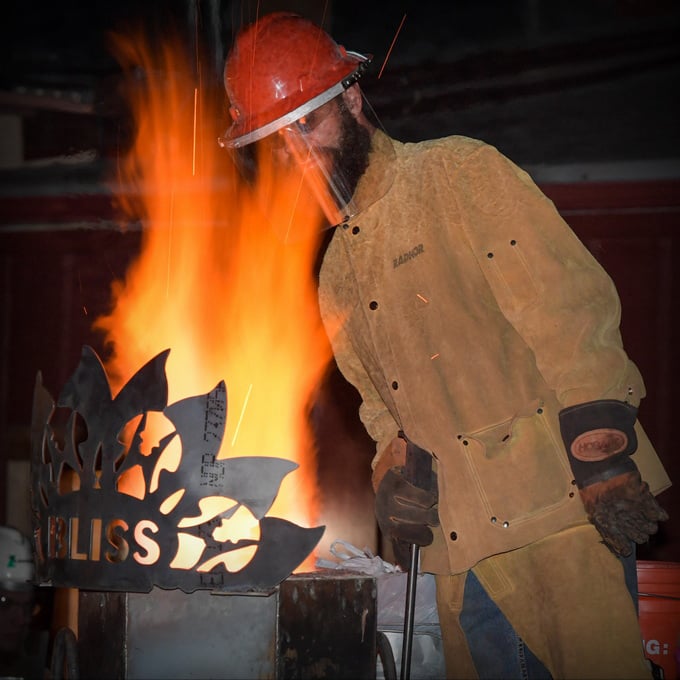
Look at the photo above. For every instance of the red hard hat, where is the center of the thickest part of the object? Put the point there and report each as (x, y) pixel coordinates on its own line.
(280, 68)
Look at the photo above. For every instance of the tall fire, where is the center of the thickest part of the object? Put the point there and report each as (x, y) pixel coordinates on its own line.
(218, 279)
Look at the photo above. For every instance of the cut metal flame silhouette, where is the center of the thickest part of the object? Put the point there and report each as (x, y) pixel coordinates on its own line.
(177, 531)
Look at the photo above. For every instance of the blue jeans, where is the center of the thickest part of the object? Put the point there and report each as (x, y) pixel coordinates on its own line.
(497, 651)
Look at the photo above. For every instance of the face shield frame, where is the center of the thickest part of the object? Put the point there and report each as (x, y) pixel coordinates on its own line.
(316, 164)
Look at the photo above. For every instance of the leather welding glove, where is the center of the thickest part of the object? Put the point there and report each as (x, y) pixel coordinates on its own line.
(405, 513)
(623, 510)
(600, 437)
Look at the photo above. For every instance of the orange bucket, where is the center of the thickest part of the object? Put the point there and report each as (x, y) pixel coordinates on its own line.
(659, 598)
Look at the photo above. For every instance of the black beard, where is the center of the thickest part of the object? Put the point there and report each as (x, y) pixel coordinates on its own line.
(350, 160)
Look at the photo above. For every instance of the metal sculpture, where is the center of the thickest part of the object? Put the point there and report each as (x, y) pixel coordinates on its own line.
(92, 533)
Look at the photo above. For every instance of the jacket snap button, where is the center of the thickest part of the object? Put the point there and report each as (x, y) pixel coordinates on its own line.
(355, 230)
(453, 536)
(395, 385)
(373, 304)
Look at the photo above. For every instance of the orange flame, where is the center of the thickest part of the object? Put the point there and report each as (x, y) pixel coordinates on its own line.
(213, 281)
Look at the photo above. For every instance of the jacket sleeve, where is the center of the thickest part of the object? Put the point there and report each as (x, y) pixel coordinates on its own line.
(373, 412)
(546, 282)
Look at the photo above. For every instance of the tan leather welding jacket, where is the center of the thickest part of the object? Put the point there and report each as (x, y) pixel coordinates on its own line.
(467, 314)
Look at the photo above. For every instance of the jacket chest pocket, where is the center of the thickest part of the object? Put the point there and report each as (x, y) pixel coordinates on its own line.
(519, 468)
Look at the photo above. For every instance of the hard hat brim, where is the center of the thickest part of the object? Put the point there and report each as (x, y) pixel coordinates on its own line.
(237, 135)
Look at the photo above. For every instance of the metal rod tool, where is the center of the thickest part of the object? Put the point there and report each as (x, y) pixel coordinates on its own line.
(418, 471)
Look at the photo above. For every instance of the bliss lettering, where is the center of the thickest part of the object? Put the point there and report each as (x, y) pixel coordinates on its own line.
(109, 541)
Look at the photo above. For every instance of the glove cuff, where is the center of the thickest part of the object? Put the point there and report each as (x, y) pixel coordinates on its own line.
(393, 455)
(600, 473)
(593, 416)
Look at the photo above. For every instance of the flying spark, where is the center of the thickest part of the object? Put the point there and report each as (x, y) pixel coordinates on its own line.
(387, 56)
(193, 156)
(243, 410)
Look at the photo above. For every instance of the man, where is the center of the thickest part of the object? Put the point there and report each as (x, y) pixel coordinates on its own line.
(475, 325)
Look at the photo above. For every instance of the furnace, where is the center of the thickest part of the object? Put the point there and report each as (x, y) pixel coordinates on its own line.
(181, 570)
(317, 625)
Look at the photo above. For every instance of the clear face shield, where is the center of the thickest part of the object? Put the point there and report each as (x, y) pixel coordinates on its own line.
(319, 158)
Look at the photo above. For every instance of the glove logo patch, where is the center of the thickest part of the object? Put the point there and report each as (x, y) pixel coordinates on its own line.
(596, 445)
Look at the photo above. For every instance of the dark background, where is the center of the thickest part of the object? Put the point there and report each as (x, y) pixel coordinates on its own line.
(581, 93)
